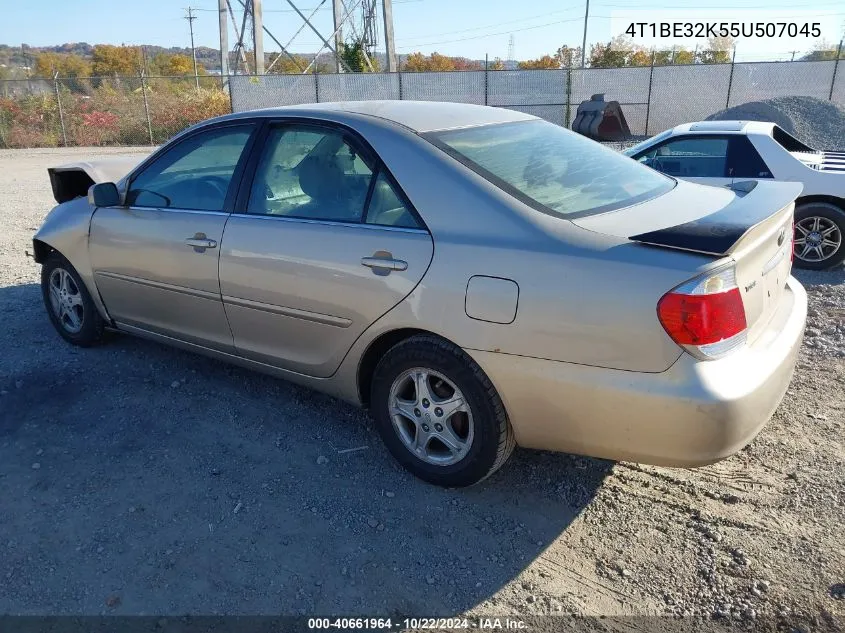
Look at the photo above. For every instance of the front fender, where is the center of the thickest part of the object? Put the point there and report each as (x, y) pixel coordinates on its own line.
(65, 229)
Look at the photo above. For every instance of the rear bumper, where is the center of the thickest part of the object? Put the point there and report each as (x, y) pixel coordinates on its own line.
(694, 413)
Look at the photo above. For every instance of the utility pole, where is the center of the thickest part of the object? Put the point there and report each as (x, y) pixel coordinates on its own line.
(389, 41)
(258, 36)
(190, 18)
(337, 7)
(584, 40)
(224, 42)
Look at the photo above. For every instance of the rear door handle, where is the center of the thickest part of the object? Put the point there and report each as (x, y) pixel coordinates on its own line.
(384, 263)
(200, 242)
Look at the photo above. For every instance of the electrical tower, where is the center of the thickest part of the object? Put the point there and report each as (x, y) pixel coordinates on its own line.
(369, 36)
(249, 25)
(511, 48)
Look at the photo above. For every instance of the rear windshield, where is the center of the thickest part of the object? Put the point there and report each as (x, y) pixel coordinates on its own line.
(552, 169)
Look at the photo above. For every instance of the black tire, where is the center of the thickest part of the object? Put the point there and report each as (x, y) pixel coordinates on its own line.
(832, 213)
(91, 327)
(493, 439)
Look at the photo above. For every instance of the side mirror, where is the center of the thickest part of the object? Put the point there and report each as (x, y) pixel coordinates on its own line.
(104, 194)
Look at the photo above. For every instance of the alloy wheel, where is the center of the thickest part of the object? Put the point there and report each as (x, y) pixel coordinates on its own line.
(431, 416)
(66, 301)
(816, 239)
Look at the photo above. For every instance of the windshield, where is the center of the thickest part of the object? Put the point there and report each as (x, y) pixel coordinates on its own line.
(552, 169)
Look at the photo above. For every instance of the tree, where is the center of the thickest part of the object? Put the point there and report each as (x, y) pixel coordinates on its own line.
(719, 51)
(355, 56)
(167, 65)
(544, 62)
(640, 57)
(605, 56)
(497, 64)
(66, 64)
(822, 51)
(568, 57)
(116, 60)
(417, 62)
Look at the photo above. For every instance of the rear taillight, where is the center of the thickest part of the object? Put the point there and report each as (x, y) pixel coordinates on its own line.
(705, 315)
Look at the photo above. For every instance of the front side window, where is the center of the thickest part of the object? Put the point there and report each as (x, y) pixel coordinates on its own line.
(194, 174)
(552, 169)
(702, 157)
(311, 173)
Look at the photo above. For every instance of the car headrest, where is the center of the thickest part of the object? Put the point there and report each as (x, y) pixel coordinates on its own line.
(320, 178)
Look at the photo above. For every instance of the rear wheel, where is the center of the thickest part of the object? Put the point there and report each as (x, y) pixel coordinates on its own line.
(69, 305)
(439, 414)
(819, 231)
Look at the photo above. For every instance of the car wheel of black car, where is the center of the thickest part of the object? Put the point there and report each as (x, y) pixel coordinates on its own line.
(819, 231)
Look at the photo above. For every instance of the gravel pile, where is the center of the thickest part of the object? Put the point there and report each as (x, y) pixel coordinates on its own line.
(819, 124)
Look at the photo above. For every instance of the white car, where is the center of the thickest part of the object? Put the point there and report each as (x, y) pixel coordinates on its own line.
(723, 152)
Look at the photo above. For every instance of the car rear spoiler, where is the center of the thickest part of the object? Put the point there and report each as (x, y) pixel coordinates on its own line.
(721, 232)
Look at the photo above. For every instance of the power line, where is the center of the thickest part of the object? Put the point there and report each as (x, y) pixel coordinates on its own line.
(491, 26)
(478, 37)
(317, 8)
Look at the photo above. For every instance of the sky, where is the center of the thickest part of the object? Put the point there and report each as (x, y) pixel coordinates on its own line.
(470, 28)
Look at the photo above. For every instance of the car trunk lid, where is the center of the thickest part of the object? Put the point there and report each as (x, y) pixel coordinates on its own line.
(751, 223)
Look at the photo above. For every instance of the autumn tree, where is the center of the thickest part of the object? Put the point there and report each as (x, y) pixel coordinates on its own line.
(568, 56)
(116, 60)
(496, 64)
(65, 64)
(614, 54)
(167, 65)
(674, 56)
(544, 62)
(719, 51)
(281, 64)
(417, 62)
(822, 51)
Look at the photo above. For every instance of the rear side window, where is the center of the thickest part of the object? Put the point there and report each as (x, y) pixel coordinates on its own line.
(552, 169)
(744, 161)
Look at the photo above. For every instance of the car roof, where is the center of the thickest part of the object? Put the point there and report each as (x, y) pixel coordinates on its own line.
(725, 127)
(419, 116)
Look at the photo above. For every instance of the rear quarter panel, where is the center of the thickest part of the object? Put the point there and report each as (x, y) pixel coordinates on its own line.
(784, 166)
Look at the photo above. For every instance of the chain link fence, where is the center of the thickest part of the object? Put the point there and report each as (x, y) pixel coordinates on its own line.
(149, 110)
(102, 111)
(653, 98)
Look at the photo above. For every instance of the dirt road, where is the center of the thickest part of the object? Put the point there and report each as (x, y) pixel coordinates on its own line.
(139, 479)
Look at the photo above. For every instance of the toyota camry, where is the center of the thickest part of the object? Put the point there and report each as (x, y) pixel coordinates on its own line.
(477, 277)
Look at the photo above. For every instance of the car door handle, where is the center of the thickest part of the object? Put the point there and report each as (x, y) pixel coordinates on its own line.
(200, 242)
(384, 263)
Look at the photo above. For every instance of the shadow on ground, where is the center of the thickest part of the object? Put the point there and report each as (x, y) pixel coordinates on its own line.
(141, 479)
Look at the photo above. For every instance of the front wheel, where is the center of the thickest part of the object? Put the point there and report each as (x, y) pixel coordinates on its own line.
(69, 305)
(819, 227)
(439, 414)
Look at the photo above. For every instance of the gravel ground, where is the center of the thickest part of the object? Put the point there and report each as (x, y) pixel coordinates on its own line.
(819, 124)
(141, 479)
